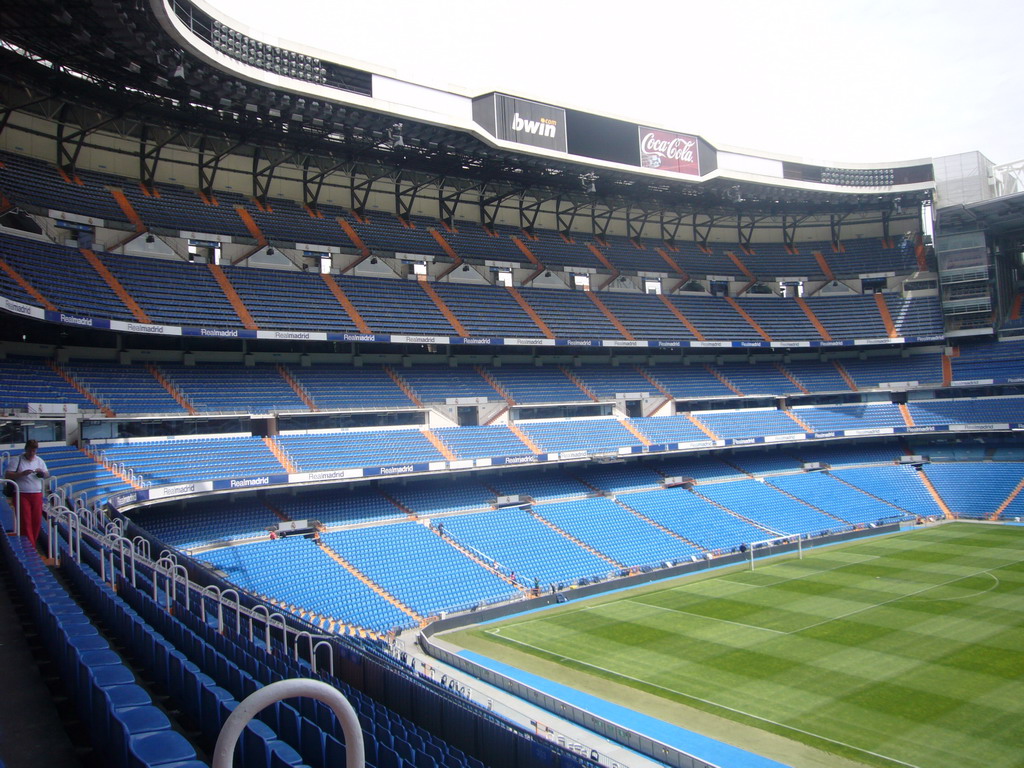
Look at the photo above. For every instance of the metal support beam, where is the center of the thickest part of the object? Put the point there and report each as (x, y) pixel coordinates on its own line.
(449, 197)
(491, 204)
(406, 192)
(313, 179)
(263, 172)
(600, 221)
(789, 228)
(6, 112)
(529, 210)
(71, 140)
(565, 214)
(149, 154)
(360, 190)
(635, 223)
(835, 226)
(745, 225)
(670, 224)
(209, 162)
(702, 229)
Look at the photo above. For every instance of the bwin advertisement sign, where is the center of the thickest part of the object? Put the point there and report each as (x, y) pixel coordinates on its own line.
(522, 121)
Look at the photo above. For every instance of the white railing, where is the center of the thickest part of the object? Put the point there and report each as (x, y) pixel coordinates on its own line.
(121, 556)
(15, 502)
(256, 702)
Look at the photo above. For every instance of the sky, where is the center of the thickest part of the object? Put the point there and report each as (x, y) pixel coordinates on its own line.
(828, 81)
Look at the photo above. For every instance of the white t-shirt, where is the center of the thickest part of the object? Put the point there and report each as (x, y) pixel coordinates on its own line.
(30, 483)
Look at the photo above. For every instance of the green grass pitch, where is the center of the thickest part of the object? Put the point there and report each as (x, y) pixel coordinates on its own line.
(905, 649)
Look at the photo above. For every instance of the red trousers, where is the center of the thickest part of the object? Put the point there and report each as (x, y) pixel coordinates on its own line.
(31, 515)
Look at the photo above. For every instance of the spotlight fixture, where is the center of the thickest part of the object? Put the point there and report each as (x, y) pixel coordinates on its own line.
(395, 139)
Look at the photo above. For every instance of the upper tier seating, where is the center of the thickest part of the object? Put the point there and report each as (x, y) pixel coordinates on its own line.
(289, 300)
(209, 387)
(859, 416)
(555, 252)
(669, 429)
(358, 448)
(973, 411)
(867, 256)
(124, 389)
(774, 260)
(80, 475)
(173, 208)
(429, 497)
(26, 181)
(782, 319)
(849, 317)
(179, 460)
(532, 384)
(478, 442)
(619, 477)
(487, 311)
(751, 422)
(988, 361)
(31, 380)
(690, 381)
(875, 371)
(344, 386)
(817, 376)
(593, 435)
(607, 381)
(180, 293)
(62, 276)
(158, 286)
(233, 388)
(760, 379)
(570, 314)
(438, 383)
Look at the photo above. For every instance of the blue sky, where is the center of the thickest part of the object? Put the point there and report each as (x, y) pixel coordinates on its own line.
(853, 81)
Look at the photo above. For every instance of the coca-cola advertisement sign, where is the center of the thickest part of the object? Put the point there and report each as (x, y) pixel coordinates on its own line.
(667, 151)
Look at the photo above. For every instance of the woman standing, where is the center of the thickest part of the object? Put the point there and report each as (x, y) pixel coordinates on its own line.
(29, 471)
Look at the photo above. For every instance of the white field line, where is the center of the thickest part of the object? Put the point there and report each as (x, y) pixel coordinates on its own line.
(711, 703)
(683, 586)
(709, 618)
(904, 597)
(988, 571)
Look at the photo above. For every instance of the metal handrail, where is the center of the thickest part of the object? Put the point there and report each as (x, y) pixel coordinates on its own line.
(257, 701)
(113, 557)
(284, 632)
(16, 508)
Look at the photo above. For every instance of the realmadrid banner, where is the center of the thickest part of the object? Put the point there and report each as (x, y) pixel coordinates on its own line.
(667, 151)
(522, 121)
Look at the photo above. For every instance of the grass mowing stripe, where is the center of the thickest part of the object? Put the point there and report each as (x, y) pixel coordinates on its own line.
(702, 616)
(706, 702)
(908, 680)
(901, 597)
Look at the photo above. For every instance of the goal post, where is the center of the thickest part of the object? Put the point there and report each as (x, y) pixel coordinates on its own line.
(758, 550)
